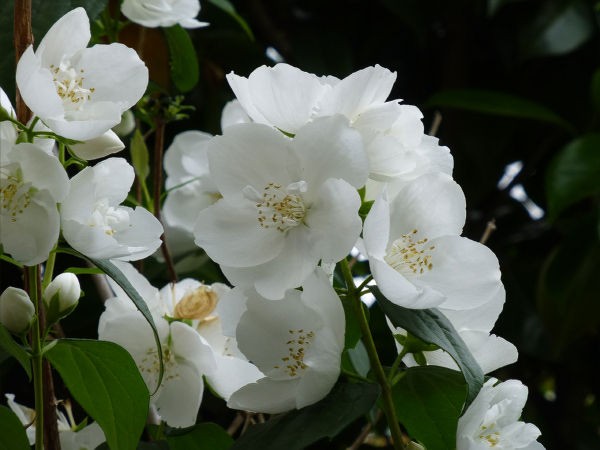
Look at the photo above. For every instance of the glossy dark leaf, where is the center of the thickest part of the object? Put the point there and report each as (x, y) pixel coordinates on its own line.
(12, 432)
(204, 436)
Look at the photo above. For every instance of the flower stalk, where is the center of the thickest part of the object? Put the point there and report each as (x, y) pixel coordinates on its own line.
(386, 391)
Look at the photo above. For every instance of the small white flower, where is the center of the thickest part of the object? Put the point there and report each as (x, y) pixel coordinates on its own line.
(31, 184)
(296, 342)
(163, 13)
(189, 186)
(287, 203)
(416, 253)
(79, 92)
(492, 420)
(86, 438)
(287, 98)
(94, 224)
(16, 310)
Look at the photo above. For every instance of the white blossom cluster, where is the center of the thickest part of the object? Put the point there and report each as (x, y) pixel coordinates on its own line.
(275, 202)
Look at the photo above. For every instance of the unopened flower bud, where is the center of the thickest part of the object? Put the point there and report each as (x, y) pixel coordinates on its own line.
(99, 147)
(61, 296)
(126, 126)
(16, 310)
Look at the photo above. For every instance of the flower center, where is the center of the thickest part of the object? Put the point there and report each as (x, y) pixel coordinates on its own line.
(278, 207)
(149, 365)
(111, 220)
(293, 363)
(487, 434)
(69, 86)
(15, 194)
(409, 256)
(196, 305)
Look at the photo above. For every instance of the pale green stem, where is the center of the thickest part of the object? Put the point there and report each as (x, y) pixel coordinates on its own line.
(396, 365)
(386, 391)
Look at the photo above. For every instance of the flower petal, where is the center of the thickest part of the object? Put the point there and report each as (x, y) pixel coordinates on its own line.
(68, 35)
(266, 396)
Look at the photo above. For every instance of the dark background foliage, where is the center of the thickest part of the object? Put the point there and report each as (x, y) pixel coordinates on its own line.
(513, 80)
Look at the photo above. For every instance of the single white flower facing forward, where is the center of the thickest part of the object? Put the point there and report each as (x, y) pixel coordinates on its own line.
(296, 342)
(189, 186)
(31, 184)
(79, 92)
(287, 98)
(94, 223)
(87, 438)
(287, 203)
(416, 253)
(163, 13)
(492, 420)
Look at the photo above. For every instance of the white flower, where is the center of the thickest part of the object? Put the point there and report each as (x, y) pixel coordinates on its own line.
(79, 92)
(186, 357)
(287, 203)
(86, 438)
(190, 188)
(99, 147)
(163, 13)
(287, 98)
(296, 342)
(416, 254)
(94, 224)
(31, 184)
(492, 420)
(16, 310)
(473, 325)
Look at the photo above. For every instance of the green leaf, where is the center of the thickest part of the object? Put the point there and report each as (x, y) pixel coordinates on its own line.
(184, 63)
(296, 430)
(428, 403)
(12, 432)
(574, 174)
(227, 7)
(360, 359)
(84, 270)
(496, 103)
(139, 155)
(204, 436)
(558, 28)
(15, 350)
(105, 381)
(431, 326)
(112, 271)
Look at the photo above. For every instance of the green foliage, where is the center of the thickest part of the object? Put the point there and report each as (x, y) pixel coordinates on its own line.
(574, 174)
(496, 103)
(432, 327)
(428, 403)
(204, 436)
(184, 62)
(227, 7)
(139, 155)
(12, 432)
(15, 350)
(297, 429)
(105, 381)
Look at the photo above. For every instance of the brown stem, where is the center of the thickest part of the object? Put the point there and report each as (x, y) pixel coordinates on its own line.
(23, 38)
(51, 439)
(159, 143)
(364, 433)
(489, 229)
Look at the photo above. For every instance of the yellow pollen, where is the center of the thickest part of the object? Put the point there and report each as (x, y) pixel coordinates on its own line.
(293, 363)
(278, 209)
(69, 86)
(15, 194)
(409, 256)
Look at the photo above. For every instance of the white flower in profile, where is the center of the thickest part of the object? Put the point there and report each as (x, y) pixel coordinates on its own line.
(492, 420)
(189, 188)
(163, 13)
(287, 98)
(416, 253)
(31, 184)
(473, 325)
(94, 224)
(87, 438)
(296, 342)
(287, 203)
(79, 92)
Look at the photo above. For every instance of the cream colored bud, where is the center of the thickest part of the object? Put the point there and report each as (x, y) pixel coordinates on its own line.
(61, 296)
(196, 305)
(16, 310)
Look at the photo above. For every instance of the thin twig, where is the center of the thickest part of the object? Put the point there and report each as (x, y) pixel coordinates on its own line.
(235, 424)
(364, 432)
(435, 125)
(490, 227)
(23, 38)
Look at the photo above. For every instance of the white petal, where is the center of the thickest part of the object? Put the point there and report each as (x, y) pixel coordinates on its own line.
(376, 230)
(230, 233)
(267, 396)
(231, 375)
(99, 147)
(233, 113)
(89, 123)
(230, 308)
(480, 318)
(180, 396)
(329, 148)
(142, 238)
(68, 35)
(186, 156)
(42, 170)
(112, 178)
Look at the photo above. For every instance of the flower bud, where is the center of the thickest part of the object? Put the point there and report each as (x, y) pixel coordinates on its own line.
(61, 296)
(126, 126)
(99, 147)
(16, 310)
